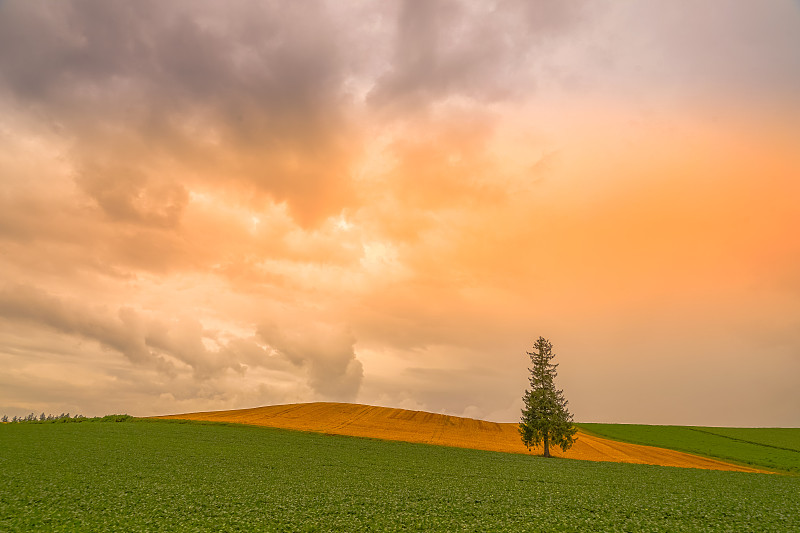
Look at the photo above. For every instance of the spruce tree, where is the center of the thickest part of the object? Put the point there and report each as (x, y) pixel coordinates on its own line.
(545, 418)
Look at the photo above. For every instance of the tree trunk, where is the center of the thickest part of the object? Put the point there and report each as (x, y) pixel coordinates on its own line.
(546, 445)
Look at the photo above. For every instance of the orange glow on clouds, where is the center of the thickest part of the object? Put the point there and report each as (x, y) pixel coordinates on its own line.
(334, 214)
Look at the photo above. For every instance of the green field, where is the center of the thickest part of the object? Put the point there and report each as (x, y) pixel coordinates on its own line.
(166, 476)
(770, 448)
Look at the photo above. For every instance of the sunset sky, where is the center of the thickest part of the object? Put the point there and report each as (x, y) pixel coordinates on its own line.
(214, 205)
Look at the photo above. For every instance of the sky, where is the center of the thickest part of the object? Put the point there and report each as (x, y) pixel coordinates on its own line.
(218, 205)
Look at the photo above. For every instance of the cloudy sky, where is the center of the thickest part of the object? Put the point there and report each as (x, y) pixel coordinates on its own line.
(213, 205)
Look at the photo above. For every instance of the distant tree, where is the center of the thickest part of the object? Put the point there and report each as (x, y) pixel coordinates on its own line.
(545, 418)
(5, 418)
(42, 417)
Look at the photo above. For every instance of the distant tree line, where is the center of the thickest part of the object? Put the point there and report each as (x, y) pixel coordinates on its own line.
(63, 417)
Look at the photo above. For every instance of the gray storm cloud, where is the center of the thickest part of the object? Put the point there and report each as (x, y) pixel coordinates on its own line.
(327, 352)
(161, 344)
(123, 333)
(481, 51)
(256, 92)
(252, 91)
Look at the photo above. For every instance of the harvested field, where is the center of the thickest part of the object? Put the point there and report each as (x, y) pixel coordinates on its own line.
(430, 428)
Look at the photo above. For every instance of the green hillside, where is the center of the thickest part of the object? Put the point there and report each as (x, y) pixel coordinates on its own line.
(771, 448)
(167, 476)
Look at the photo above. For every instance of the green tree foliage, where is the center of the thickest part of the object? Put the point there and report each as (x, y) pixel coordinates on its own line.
(545, 418)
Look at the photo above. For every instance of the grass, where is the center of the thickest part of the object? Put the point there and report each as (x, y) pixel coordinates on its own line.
(169, 476)
(775, 449)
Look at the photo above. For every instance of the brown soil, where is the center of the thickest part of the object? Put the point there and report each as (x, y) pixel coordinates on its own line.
(430, 428)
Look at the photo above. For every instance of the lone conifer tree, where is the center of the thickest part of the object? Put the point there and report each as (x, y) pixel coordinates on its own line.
(545, 418)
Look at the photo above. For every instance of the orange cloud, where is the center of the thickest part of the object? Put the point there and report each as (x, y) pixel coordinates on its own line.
(266, 205)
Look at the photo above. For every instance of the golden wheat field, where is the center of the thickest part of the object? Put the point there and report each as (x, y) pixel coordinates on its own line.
(418, 426)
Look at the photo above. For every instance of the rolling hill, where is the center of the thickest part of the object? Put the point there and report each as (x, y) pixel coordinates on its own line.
(430, 428)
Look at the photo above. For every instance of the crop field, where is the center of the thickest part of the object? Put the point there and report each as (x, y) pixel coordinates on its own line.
(431, 428)
(157, 475)
(775, 449)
